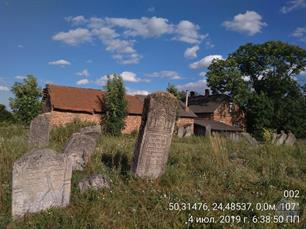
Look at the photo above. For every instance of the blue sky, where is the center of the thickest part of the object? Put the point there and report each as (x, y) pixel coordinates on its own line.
(151, 43)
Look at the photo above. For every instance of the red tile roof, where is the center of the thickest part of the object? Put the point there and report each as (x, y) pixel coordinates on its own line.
(84, 99)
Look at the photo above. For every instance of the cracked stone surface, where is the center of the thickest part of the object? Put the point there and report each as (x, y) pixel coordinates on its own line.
(41, 180)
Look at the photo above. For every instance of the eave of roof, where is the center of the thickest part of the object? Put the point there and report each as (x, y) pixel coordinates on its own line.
(215, 125)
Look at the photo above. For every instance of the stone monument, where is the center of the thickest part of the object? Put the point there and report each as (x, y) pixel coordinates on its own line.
(41, 180)
(155, 134)
(39, 131)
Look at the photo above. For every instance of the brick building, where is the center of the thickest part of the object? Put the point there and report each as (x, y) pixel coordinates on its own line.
(64, 104)
(216, 112)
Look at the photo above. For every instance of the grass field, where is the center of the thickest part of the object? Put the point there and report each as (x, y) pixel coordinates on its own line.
(199, 170)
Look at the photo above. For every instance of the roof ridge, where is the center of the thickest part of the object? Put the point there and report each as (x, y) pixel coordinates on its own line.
(82, 88)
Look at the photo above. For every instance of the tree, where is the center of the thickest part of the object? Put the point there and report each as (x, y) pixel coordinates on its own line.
(26, 105)
(260, 78)
(174, 91)
(5, 116)
(115, 105)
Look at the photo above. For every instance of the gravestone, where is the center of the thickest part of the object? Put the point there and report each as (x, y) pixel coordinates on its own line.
(281, 138)
(94, 182)
(39, 131)
(290, 140)
(155, 134)
(188, 131)
(41, 180)
(92, 131)
(180, 131)
(79, 149)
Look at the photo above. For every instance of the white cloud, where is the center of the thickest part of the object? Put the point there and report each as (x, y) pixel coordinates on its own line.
(60, 62)
(101, 81)
(191, 52)
(165, 74)
(205, 61)
(203, 74)
(248, 23)
(137, 92)
(303, 73)
(119, 34)
(293, 5)
(83, 73)
(89, 61)
(4, 88)
(131, 77)
(83, 82)
(145, 27)
(76, 21)
(300, 33)
(20, 46)
(20, 77)
(187, 32)
(73, 37)
(199, 85)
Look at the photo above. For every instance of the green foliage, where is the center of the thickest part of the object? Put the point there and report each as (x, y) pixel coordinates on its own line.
(195, 173)
(174, 91)
(26, 105)
(260, 78)
(115, 105)
(5, 116)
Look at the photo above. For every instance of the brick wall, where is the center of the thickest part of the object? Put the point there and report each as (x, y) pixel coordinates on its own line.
(57, 118)
(185, 122)
(132, 123)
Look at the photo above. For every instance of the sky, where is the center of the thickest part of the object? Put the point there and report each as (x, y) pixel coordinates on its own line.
(150, 43)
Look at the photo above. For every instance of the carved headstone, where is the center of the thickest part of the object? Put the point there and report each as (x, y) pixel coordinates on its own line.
(41, 180)
(155, 134)
(92, 131)
(39, 131)
(79, 149)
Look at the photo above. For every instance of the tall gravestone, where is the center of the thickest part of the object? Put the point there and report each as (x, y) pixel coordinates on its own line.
(39, 131)
(41, 180)
(155, 134)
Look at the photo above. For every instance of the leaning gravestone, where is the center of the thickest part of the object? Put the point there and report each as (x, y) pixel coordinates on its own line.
(79, 149)
(39, 131)
(290, 140)
(41, 180)
(92, 131)
(155, 134)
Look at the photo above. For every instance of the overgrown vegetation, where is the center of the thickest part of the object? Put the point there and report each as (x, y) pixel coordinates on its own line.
(5, 115)
(26, 104)
(115, 105)
(261, 79)
(198, 170)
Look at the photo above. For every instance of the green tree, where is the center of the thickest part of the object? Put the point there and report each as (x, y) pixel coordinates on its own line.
(26, 104)
(174, 91)
(5, 115)
(260, 78)
(115, 105)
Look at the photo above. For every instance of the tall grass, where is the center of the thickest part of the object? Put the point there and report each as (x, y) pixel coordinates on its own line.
(198, 170)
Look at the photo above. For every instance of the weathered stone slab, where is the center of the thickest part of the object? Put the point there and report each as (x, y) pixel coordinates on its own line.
(180, 131)
(93, 182)
(249, 138)
(281, 138)
(92, 131)
(79, 149)
(39, 131)
(155, 134)
(290, 140)
(41, 180)
(188, 131)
